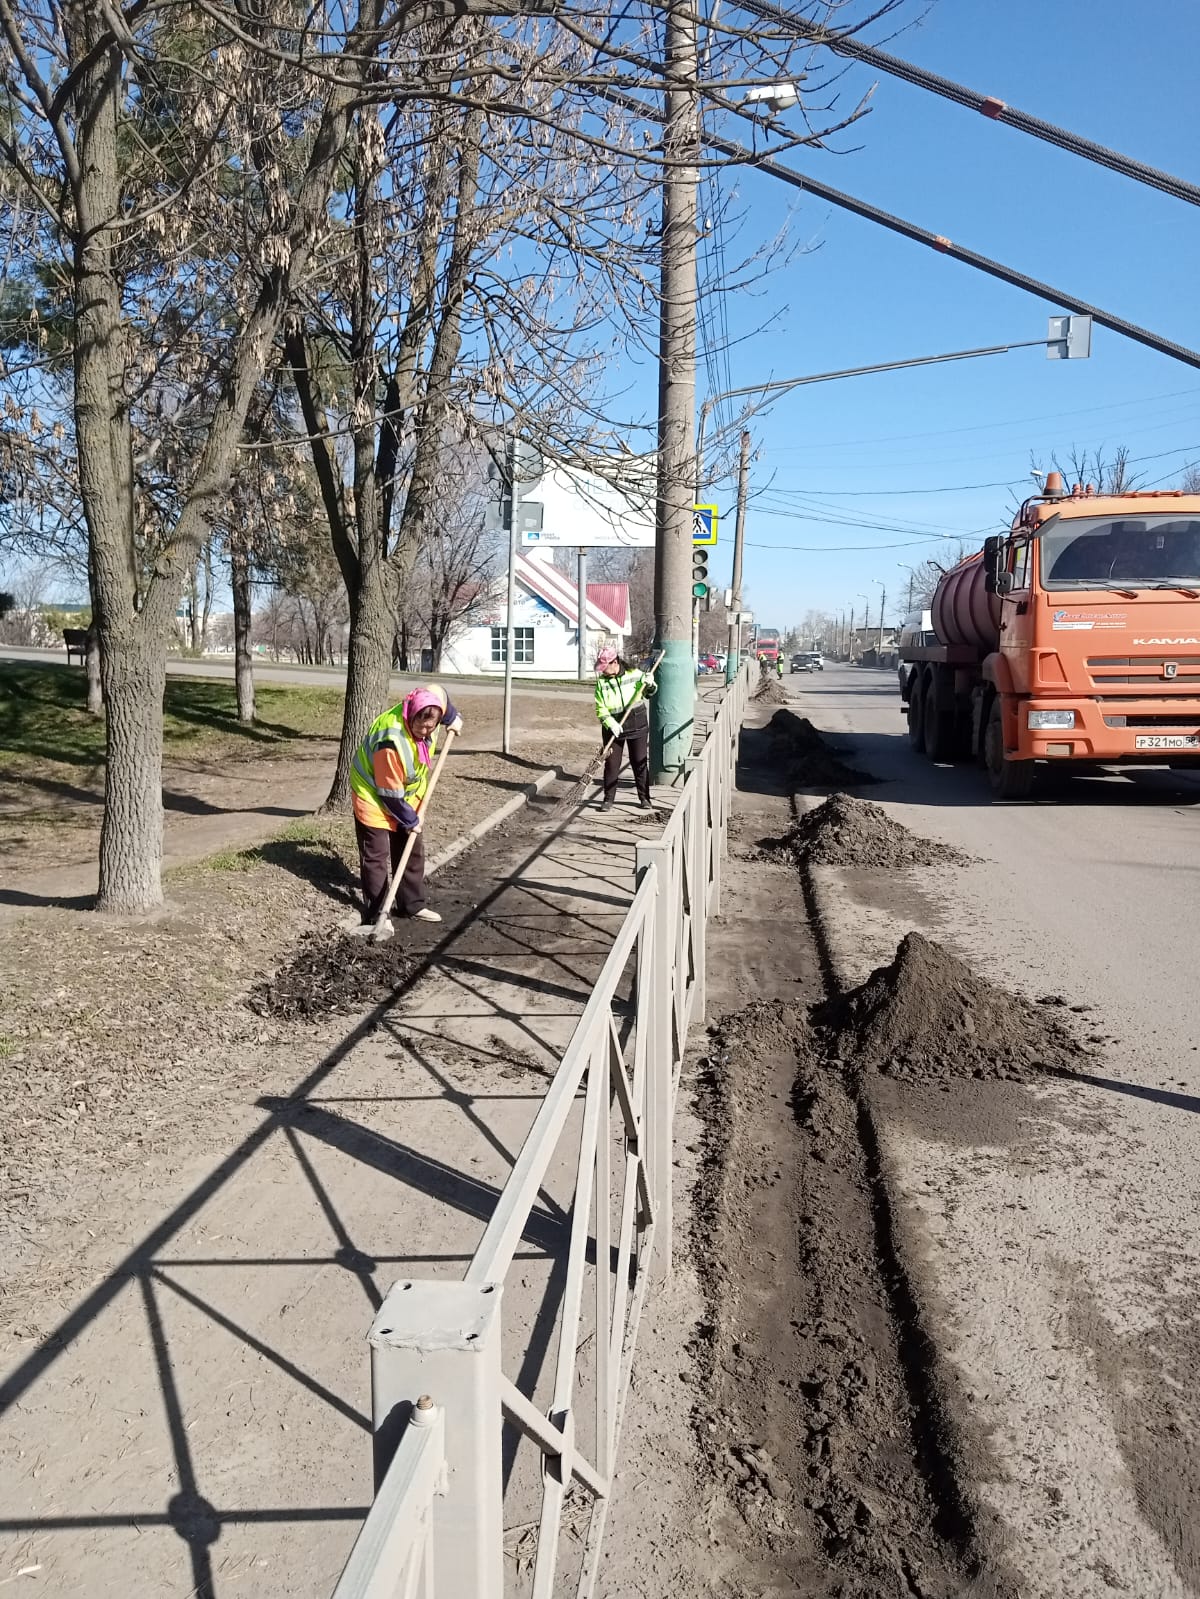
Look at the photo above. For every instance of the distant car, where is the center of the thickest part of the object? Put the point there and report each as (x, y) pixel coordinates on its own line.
(807, 661)
(709, 663)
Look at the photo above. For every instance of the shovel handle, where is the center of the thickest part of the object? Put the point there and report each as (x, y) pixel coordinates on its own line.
(394, 885)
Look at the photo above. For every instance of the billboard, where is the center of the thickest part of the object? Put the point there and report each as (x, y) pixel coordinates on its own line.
(583, 509)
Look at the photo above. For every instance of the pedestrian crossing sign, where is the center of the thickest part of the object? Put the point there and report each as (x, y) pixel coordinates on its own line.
(704, 524)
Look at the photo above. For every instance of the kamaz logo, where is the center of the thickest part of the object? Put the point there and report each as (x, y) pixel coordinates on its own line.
(1167, 641)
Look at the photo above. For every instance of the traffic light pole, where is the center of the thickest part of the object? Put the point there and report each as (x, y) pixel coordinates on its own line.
(673, 707)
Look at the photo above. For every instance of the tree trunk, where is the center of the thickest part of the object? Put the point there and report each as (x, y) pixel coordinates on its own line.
(95, 689)
(209, 585)
(131, 836)
(95, 685)
(372, 628)
(243, 657)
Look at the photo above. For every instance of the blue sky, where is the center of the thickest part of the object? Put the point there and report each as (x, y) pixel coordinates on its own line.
(861, 295)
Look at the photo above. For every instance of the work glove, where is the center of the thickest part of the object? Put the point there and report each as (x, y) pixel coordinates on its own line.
(456, 726)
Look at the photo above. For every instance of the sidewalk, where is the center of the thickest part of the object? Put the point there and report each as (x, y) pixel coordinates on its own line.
(199, 1422)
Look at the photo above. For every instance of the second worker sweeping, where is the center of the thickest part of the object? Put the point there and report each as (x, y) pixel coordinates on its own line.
(621, 691)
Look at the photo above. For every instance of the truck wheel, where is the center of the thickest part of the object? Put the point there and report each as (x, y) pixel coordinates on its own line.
(937, 727)
(916, 704)
(1010, 780)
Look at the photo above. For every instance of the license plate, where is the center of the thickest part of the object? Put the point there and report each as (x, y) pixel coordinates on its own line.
(1167, 741)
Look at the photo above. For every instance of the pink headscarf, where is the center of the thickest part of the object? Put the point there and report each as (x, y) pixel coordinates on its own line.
(420, 699)
(606, 657)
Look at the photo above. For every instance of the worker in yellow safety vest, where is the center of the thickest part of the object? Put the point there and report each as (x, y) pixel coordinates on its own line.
(625, 719)
(389, 778)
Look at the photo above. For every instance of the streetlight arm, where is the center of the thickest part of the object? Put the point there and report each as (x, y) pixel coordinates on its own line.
(782, 385)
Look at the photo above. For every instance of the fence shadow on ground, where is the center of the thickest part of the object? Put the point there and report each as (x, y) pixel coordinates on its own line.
(304, 1121)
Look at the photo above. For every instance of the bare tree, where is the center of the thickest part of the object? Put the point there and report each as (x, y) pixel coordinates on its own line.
(1108, 472)
(129, 148)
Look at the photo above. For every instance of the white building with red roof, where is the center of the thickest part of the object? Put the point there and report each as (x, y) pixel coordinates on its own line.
(546, 623)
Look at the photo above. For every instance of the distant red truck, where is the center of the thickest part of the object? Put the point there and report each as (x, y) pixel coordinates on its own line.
(767, 644)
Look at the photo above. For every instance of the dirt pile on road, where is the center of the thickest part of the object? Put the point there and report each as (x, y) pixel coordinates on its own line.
(770, 692)
(809, 761)
(928, 1017)
(329, 975)
(846, 831)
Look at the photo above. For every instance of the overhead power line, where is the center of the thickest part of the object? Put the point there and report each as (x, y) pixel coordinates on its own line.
(956, 252)
(994, 109)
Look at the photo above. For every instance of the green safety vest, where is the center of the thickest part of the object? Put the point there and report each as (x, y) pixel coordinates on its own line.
(615, 695)
(391, 728)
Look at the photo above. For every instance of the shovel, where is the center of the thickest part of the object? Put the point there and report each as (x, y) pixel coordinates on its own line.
(377, 936)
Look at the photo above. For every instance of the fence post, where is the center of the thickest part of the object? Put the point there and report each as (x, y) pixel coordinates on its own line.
(443, 1339)
(697, 842)
(660, 1063)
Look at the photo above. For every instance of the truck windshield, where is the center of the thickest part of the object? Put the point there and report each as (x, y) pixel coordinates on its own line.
(1121, 552)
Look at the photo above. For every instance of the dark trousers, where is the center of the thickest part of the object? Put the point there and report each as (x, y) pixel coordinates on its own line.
(635, 737)
(379, 852)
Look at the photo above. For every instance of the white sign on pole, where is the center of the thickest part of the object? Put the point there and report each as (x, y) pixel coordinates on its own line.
(584, 510)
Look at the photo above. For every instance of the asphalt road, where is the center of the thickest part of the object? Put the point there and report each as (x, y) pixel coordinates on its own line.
(293, 676)
(1063, 1248)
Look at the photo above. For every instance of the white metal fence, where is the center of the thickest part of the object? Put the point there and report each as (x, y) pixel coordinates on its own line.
(440, 1397)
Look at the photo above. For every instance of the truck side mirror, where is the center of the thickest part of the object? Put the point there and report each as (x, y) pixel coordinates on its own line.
(1004, 582)
(991, 562)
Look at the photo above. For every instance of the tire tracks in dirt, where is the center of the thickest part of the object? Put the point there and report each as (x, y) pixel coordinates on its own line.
(823, 1408)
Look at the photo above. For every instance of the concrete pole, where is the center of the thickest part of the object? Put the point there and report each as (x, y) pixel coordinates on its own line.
(673, 707)
(733, 657)
(510, 632)
(879, 646)
(581, 583)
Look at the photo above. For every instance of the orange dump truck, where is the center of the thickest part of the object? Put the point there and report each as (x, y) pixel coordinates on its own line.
(1074, 637)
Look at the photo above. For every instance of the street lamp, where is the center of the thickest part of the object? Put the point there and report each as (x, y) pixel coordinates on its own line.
(901, 566)
(882, 603)
(774, 98)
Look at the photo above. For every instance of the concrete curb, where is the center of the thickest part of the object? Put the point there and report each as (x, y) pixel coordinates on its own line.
(481, 829)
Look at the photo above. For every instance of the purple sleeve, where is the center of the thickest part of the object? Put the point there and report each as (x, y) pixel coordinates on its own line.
(401, 810)
(449, 714)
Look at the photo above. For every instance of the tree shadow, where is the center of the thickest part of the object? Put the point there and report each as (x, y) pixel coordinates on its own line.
(313, 860)
(60, 902)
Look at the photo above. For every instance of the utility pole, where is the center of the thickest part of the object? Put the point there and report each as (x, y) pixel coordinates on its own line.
(733, 656)
(510, 491)
(879, 646)
(581, 583)
(673, 707)
(850, 639)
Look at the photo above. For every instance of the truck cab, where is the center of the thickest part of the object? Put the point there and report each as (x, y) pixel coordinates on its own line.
(1099, 628)
(1074, 637)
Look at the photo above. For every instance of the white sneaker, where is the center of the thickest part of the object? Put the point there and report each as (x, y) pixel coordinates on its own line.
(426, 915)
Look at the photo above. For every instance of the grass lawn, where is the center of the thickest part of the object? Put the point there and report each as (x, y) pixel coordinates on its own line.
(43, 718)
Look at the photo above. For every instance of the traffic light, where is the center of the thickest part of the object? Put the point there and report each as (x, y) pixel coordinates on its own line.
(699, 572)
